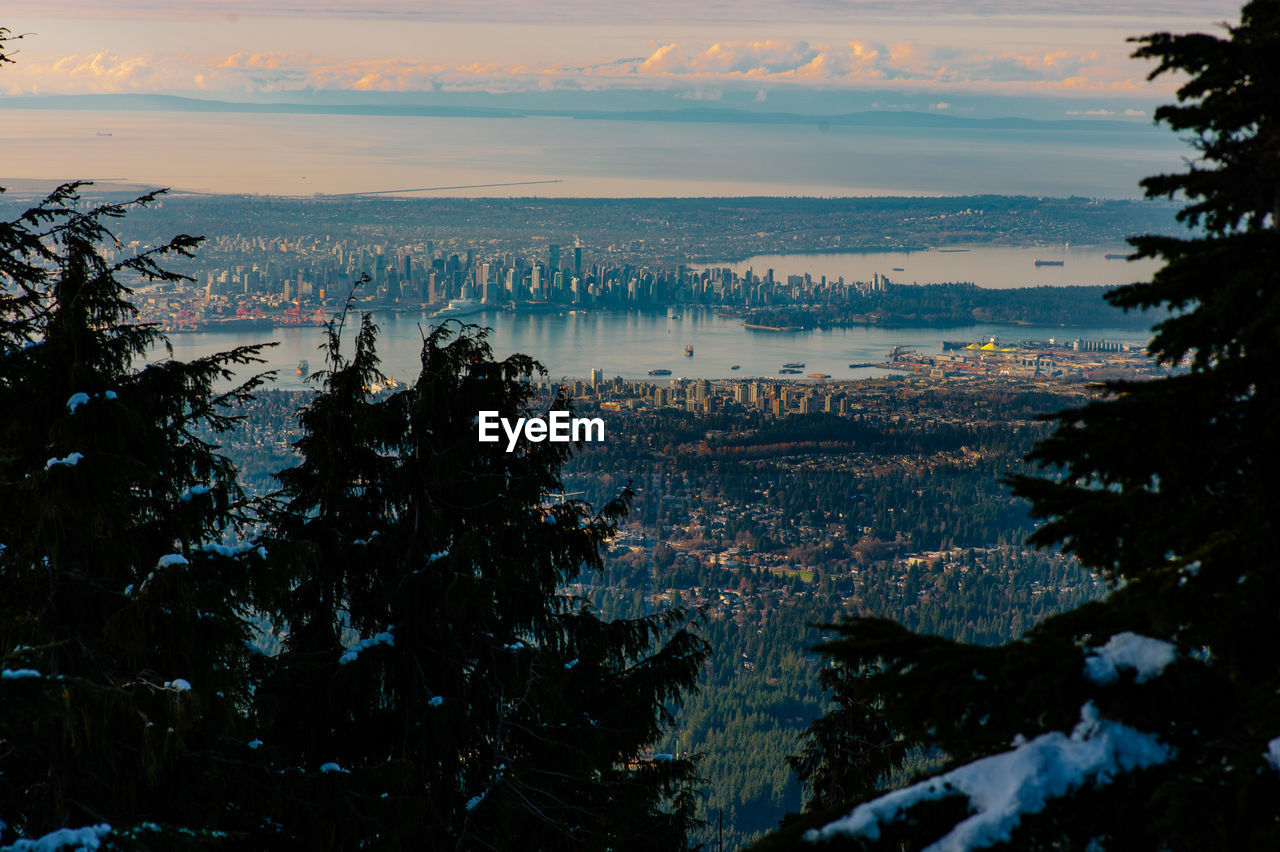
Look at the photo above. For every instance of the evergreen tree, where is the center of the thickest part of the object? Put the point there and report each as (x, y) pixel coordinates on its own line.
(439, 687)
(1170, 687)
(123, 666)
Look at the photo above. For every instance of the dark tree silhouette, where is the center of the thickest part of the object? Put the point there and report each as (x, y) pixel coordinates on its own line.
(1171, 686)
(438, 687)
(122, 615)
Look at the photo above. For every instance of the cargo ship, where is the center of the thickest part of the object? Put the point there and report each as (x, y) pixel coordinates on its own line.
(659, 372)
(1113, 256)
(1050, 262)
(818, 375)
(791, 371)
(239, 323)
(688, 350)
(794, 366)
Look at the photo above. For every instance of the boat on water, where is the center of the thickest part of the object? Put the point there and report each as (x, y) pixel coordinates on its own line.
(304, 369)
(794, 366)
(459, 308)
(818, 375)
(659, 372)
(239, 323)
(1114, 256)
(898, 269)
(736, 367)
(791, 371)
(1049, 262)
(688, 350)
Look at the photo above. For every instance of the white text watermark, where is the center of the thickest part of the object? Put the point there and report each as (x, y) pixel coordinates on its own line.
(557, 427)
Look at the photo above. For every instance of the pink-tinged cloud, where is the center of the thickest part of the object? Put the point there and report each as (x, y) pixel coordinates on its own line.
(633, 11)
(695, 67)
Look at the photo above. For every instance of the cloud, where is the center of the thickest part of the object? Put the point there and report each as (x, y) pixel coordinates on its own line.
(750, 58)
(1100, 112)
(698, 69)
(635, 11)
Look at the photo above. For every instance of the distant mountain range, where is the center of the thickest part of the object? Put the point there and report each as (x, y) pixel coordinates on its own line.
(706, 115)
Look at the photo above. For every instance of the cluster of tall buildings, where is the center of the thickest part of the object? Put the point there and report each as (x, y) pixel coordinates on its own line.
(277, 272)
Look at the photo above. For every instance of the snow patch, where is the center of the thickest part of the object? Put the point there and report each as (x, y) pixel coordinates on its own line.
(230, 551)
(571, 663)
(64, 840)
(76, 400)
(1003, 787)
(331, 767)
(436, 701)
(14, 674)
(1272, 755)
(69, 460)
(475, 800)
(383, 638)
(1129, 650)
(194, 491)
(178, 685)
(171, 559)
(110, 395)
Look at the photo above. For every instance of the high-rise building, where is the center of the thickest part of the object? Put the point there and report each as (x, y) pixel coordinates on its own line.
(597, 376)
(577, 262)
(553, 258)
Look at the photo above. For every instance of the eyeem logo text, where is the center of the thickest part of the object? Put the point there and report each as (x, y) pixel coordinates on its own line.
(557, 427)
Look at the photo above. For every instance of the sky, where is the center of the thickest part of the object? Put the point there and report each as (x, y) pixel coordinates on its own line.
(673, 69)
(1044, 57)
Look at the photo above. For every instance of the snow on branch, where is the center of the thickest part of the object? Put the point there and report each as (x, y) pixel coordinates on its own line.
(1003, 787)
(68, 460)
(64, 840)
(1129, 650)
(383, 638)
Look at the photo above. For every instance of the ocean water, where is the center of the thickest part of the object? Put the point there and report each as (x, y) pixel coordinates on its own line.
(994, 267)
(629, 344)
(309, 154)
